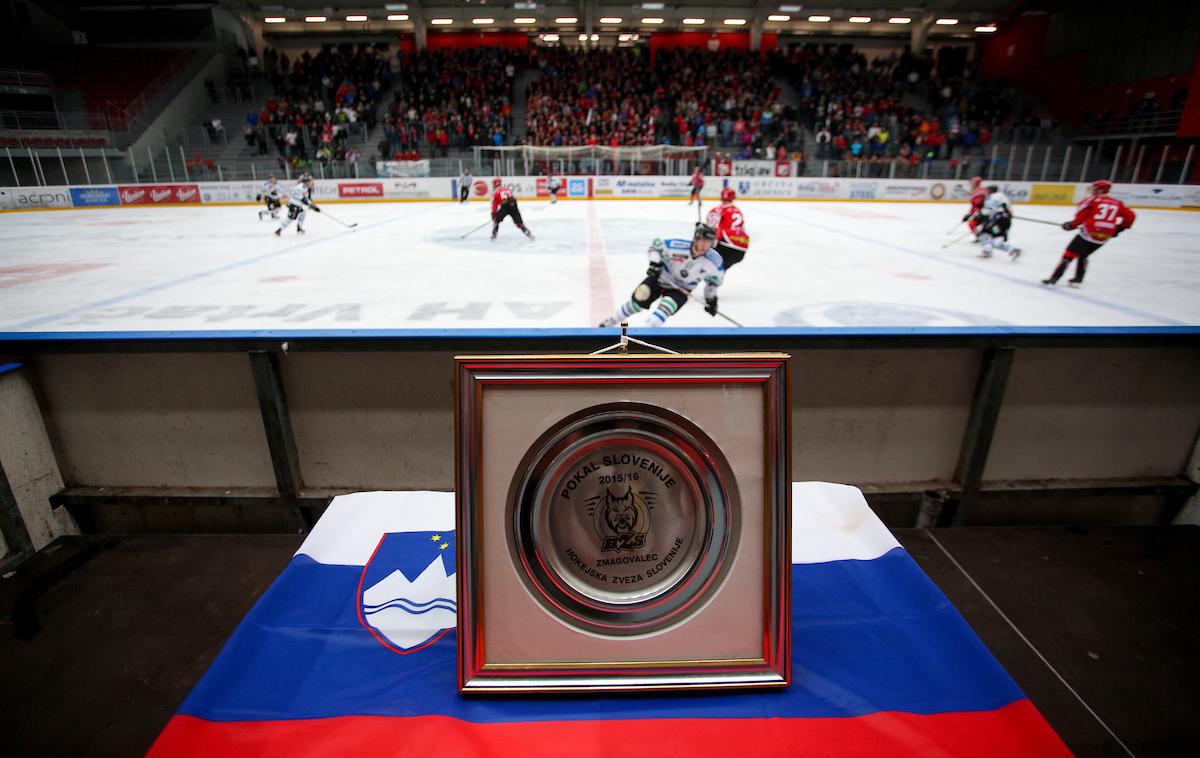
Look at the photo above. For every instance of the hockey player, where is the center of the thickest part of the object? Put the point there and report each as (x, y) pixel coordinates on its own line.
(978, 194)
(995, 217)
(299, 201)
(554, 185)
(504, 204)
(464, 186)
(732, 239)
(270, 196)
(697, 184)
(1098, 218)
(677, 266)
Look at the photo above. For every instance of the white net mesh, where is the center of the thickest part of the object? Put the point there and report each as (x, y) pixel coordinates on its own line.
(590, 159)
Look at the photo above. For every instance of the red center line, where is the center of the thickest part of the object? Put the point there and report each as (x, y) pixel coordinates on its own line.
(599, 287)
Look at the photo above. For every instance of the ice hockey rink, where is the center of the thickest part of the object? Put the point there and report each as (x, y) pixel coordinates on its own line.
(408, 266)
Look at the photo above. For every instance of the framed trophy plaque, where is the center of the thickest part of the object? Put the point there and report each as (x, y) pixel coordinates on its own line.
(623, 522)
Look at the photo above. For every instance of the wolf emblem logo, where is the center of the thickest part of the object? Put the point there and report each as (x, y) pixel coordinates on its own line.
(621, 519)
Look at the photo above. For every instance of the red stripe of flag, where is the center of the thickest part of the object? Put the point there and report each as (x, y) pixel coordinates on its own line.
(1014, 730)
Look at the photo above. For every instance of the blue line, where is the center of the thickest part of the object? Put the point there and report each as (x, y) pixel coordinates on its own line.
(204, 274)
(775, 332)
(10, 367)
(996, 274)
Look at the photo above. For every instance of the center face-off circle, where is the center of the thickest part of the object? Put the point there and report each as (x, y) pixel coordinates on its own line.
(621, 519)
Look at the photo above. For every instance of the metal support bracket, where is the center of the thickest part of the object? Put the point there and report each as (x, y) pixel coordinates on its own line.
(277, 423)
(981, 427)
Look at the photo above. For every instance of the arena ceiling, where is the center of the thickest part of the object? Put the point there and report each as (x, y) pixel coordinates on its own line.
(870, 18)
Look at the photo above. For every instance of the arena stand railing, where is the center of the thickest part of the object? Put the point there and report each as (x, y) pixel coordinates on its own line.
(185, 160)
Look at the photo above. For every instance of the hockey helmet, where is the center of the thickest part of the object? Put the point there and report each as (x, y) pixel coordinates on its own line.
(728, 195)
(496, 183)
(1103, 185)
(976, 181)
(704, 232)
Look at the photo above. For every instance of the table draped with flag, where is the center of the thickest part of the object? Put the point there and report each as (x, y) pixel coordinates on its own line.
(351, 652)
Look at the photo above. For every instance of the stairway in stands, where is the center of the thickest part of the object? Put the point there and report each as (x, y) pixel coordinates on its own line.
(520, 102)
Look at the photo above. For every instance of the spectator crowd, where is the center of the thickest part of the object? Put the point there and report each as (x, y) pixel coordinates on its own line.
(894, 108)
(451, 99)
(319, 100)
(690, 97)
(900, 107)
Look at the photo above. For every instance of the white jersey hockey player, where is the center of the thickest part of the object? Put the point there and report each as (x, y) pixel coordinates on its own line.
(995, 217)
(554, 186)
(677, 266)
(299, 201)
(270, 196)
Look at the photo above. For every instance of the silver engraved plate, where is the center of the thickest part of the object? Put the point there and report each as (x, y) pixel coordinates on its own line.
(621, 519)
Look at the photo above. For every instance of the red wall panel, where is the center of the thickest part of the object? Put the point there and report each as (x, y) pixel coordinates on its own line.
(1017, 53)
(728, 40)
(460, 40)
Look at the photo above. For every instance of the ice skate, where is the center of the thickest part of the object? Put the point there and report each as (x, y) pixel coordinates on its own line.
(278, 232)
(608, 323)
(529, 234)
(1014, 253)
(299, 230)
(1074, 283)
(1048, 282)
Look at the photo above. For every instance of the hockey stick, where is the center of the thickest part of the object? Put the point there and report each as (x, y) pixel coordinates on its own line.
(335, 219)
(692, 296)
(1038, 221)
(956, 239)
(485, 223)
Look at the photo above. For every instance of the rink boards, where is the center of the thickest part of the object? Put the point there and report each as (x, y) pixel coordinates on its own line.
(585, 188)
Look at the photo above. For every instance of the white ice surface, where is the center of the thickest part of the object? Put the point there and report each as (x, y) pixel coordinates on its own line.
(406, 267)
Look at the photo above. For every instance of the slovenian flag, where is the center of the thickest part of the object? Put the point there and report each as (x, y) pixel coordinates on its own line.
(351, 652)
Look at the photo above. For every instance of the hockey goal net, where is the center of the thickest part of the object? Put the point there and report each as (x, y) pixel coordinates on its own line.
(528, 160)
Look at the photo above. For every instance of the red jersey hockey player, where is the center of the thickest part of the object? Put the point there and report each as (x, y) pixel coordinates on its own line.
(1098, 218)
(732, 239)
(979, 194)
(697, 184)
(504, 204)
